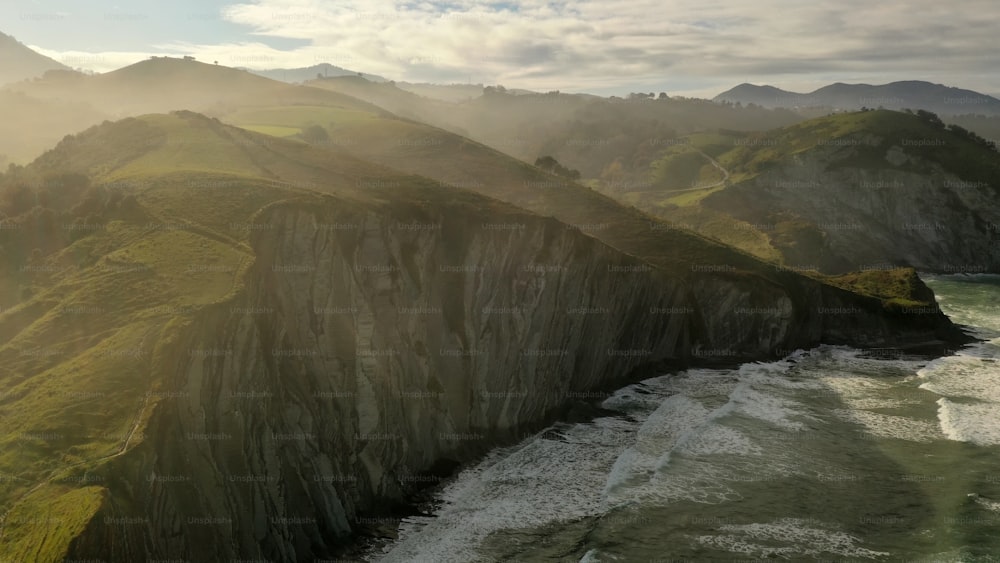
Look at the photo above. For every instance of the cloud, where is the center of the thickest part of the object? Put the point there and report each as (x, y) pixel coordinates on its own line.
(105, 61)
(599, 45)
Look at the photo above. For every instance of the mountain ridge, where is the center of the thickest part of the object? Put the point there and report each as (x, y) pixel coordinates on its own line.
(19, 62)
(911, 94)
(304, 74)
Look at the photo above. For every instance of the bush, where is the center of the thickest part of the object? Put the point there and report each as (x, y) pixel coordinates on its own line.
(552, 166)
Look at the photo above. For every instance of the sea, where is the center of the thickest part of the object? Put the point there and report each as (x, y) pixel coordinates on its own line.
(830, 454)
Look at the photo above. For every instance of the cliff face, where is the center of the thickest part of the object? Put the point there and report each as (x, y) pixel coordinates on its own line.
(370, 345)
(899, 210)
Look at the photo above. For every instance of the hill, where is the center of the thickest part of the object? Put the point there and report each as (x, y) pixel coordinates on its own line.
(764, 96)
(445, 92)
(911, 94)
(168, 84)
(609, 140)
(450, 159)
(18, 62)
(199, 320)
(866, 190)
(37, 114)
(294, 75)
(29, 126)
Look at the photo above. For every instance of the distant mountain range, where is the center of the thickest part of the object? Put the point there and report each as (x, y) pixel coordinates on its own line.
(324, 70)
(18, 62)
(913, 94)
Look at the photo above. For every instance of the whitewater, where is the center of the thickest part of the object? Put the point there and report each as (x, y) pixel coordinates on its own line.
(830, 454)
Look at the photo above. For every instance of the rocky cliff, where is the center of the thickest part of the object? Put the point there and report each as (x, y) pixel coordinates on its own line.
(369, 347)
(872, 208)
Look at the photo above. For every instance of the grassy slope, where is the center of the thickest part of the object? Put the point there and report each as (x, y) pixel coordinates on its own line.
(79, 357)
(448, 158)
(583, 132)
(36, 114)
(665, 241)
(174, 84)
(29, 126)
(747, 155)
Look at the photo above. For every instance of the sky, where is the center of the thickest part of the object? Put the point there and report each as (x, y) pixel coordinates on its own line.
(682, 47)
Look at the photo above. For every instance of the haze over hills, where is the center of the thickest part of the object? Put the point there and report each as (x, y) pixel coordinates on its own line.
(18, 62)
(692, 181)
(40, 112)
(584, 132)
(912, 94)
(167, 83)
(294, 75)
(444, 92)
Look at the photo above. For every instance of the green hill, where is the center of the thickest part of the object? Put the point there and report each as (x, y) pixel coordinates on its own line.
(35, 115)
(18, 62)
(168, 84)
(845, 192)
(415, 148)
(584, 132)
(29, 126)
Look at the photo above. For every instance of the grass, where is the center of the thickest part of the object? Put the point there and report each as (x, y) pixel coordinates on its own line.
(78, 368)
(687, 199)
(873, 132)
(273, 130)
(290, 121)
(898, 287)
(682, 167)
(46, 534)
(80, 355)
(856, 140)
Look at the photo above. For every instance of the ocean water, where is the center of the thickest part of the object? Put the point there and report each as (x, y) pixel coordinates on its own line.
(827, 455)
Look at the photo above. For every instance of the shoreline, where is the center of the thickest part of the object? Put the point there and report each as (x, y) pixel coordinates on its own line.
(421, 501)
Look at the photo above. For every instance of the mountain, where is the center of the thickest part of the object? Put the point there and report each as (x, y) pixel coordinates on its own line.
(764, 96)
(454, 93)
(584, 132)
(223, 344)
(293, 75)
(912, 94)
(167, 84)
(866, 190)
(35, 115)
(29, 126)
(18, 62)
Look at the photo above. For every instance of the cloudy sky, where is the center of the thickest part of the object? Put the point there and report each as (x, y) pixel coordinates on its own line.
(692, 47)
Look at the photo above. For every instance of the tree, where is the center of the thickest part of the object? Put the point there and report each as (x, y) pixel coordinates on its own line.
(552, 166)
(930, 117)
(315, 134)
(545, 162)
